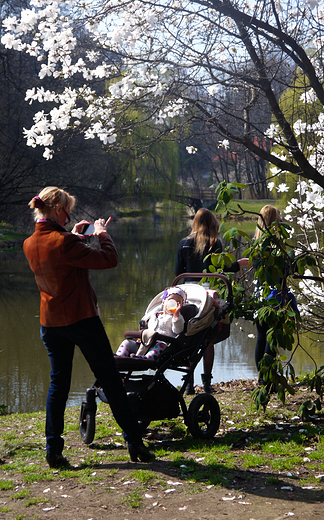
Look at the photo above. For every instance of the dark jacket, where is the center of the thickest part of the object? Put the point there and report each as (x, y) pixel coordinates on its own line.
(189, 262)
(61, 261)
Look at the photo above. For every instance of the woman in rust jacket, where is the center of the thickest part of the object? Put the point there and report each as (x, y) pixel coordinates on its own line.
(69, 315)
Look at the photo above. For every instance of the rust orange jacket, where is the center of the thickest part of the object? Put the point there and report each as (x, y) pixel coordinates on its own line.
(61, 261)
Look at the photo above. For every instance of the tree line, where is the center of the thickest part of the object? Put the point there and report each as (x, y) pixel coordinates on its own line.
(140, 164)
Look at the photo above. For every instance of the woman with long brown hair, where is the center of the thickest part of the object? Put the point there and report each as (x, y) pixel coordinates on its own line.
(202, 241)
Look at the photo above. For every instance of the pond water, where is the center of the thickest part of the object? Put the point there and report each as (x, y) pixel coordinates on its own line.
(147, 251)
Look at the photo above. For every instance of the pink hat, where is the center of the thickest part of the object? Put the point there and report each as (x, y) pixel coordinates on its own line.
(174, 290)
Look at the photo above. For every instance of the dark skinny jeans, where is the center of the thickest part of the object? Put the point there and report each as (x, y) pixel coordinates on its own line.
(91, 337)
(262, 346)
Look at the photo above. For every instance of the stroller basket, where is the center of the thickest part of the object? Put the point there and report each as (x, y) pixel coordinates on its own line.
(152, 400)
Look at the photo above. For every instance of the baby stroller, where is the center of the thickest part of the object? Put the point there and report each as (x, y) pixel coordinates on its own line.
(151, 395)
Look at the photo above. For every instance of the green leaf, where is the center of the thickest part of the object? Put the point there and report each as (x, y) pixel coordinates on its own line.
(281, 395)
(247, 252)
(285, 225)
(216, 260)
(239, 185)
(290, 389)
(220, 186)
(310, 260)
(221, 226)
(301, 266)
(244, 235)
(220, 207)
(230, 234)
(228, 261)
(231, 257)
(268, 360)
(285, 233)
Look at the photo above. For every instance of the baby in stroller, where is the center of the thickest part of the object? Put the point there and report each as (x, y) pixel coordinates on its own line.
(169, 322)
(205, 319)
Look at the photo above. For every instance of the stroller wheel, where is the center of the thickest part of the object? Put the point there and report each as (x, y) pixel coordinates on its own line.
(87, 424)
(203, 416)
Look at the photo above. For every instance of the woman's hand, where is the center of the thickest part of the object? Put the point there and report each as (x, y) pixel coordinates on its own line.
(100, 226)
(243, 262)
(77, 229)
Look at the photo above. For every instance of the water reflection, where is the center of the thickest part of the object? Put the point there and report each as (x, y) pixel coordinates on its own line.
(147, 254)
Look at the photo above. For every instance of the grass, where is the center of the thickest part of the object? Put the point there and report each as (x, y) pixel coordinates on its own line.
(36, 500)
(256, 205)
(144, 476)
(8, 233)
(134, 499)
(279, 449)
(24, 493)
(6, 485)
(274, 444)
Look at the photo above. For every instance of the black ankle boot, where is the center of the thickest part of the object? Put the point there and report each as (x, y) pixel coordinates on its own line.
(206, 379)
(57, 461)
(190, 389)
(141, 452)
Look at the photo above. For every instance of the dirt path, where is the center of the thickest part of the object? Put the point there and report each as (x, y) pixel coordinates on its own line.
(111, 498)
(182, 482)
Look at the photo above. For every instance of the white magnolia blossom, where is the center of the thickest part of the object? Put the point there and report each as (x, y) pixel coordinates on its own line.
(139, 33)
(155, 55)
(282, 188)
(191, 149)
(309, 96)
(224, 144)
(213, 90)
(48, 154)
(274, 170)
(272, 132)
(299, 127)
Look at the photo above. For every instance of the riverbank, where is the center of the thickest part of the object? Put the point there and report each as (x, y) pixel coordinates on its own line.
(10, 238)
(259, 465)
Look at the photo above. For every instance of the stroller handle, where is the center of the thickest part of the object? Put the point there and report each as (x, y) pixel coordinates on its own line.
(208, 275)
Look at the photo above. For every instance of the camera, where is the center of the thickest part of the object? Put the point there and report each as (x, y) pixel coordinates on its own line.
(88, 230)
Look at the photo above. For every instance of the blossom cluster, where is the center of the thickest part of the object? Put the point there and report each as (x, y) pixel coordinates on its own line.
(137, 42)
(166, 58)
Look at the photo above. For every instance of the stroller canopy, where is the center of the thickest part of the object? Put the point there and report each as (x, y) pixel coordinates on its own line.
(196, 295)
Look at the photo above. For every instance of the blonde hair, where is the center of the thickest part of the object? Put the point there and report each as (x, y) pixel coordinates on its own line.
(270, 214)
(204, 230)
(49, 198)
